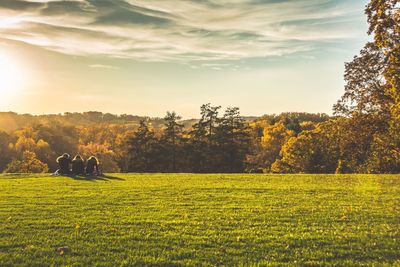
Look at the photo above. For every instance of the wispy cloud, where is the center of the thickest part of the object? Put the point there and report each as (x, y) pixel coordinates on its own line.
(180, 31)
(101, 66)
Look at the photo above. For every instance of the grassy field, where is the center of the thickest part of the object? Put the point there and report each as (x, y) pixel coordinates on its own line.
(187, 219)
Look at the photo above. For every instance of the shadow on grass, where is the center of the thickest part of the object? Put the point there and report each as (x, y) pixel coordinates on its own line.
(95, 178)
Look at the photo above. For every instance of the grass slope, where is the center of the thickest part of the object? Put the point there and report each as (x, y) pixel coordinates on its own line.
(187, 219)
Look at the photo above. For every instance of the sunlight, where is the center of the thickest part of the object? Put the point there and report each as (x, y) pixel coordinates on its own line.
(11, 76)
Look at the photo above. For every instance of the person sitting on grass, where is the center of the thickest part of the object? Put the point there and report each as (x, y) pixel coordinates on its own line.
(92, 166)
(63, 164)
(78, 166)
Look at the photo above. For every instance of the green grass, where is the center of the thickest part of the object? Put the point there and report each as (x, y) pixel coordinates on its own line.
(187, 219)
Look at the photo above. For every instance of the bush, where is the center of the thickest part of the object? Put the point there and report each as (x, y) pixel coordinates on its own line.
(29, 164)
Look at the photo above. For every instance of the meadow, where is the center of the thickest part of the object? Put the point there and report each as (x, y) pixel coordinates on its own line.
(200, 219)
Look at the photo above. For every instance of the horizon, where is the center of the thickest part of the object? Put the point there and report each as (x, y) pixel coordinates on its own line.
(160, 117)
(142, 57)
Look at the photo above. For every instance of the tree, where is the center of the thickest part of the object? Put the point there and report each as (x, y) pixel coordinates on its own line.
(172, 138)
(274, 137)
(384, 155)
(44, 152)
(28, 164)
(315, 151)
(365, 86)
(202, 140)
(254, 160)
(233, 141)
(209, 120)
(106, 156)
(292, 124)
(384, 24)
(25, 143)
(143, 150)
(6, 150)
(366, 104)
(121, 148)
(372, 93)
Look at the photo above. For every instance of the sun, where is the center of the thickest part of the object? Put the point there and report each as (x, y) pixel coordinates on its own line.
(11, 75)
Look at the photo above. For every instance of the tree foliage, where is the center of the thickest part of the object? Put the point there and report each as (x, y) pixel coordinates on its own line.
(143, 150)
(28, 164)
(105, 156)
(372, 93)
(172, 140)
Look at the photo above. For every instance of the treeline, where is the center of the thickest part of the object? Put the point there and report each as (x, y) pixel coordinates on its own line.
(10, 121)
(215, 143)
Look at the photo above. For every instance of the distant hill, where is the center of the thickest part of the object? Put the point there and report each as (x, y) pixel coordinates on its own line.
(10, 121)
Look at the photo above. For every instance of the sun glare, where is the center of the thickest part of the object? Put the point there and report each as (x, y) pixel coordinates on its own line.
(11, 76)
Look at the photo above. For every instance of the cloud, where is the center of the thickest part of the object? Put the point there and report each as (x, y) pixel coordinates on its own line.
(179, 31)
(19, 5)
(101, 66)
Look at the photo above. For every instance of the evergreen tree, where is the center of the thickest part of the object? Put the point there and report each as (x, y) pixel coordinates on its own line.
(172, 140)
(233, 141)
(203, 143)
(143, 150)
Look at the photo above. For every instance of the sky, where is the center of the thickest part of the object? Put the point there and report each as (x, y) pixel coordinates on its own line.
(146, 57)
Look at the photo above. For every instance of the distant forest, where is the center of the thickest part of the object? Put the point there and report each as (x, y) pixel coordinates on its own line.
(126, 143)
(363, 136)
(10, 121)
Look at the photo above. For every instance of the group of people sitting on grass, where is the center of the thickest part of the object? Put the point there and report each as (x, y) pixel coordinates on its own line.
(77, 166)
